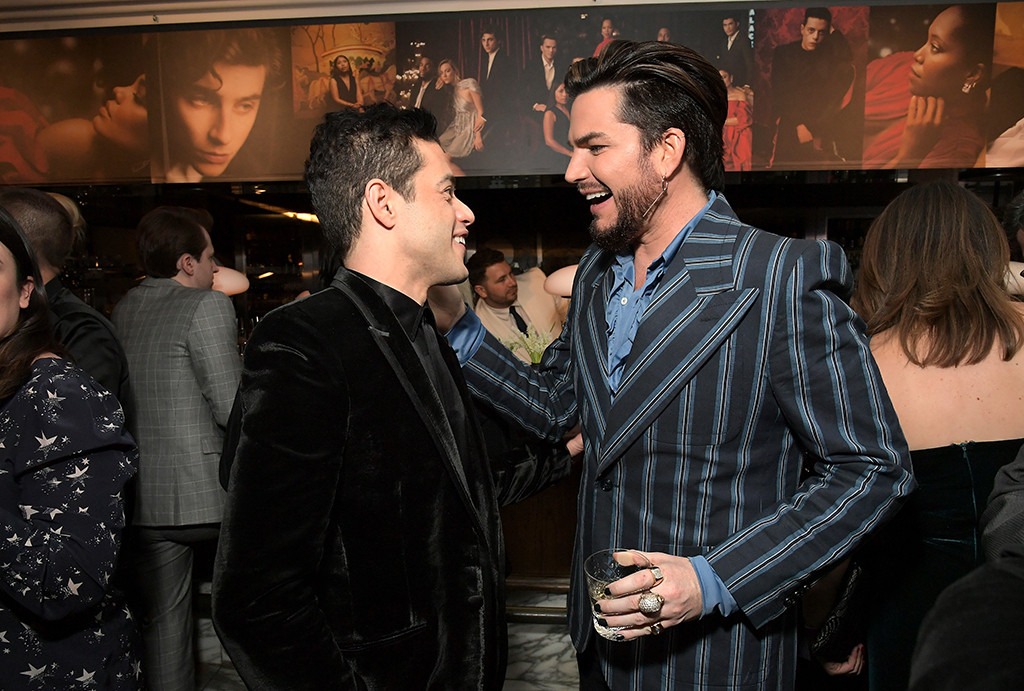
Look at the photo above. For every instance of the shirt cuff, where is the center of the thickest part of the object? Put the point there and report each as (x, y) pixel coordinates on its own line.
(712, 589)
(466, 336)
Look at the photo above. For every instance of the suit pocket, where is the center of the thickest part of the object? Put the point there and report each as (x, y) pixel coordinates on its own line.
(212, 445)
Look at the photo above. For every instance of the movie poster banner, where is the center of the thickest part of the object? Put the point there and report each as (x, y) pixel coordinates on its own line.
(74, 109)
(833, 87)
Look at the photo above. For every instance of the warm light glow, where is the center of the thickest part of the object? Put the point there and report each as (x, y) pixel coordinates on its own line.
(266, 274)
(302, 216)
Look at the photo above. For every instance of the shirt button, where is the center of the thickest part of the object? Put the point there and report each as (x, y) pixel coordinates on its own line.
(624, 301)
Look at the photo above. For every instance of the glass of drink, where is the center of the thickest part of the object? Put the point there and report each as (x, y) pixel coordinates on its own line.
(607, 566)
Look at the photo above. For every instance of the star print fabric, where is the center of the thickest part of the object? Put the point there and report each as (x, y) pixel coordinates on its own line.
(65, 459)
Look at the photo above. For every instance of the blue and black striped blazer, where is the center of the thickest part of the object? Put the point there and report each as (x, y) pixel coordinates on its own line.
(747, 364)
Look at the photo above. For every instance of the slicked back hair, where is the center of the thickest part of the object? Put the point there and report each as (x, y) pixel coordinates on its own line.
(663, 85)
(348, 150)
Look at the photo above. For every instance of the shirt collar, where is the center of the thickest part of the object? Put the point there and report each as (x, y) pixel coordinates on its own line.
(410, 314)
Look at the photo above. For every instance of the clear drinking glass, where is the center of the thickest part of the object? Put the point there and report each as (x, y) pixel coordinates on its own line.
(607, 566)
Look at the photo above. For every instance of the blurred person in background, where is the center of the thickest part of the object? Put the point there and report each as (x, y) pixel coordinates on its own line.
(181, 340)
(88, 336)
(949, 342)
(65, 458)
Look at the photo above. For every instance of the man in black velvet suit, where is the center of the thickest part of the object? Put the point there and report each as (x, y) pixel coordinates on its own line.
(361, 545)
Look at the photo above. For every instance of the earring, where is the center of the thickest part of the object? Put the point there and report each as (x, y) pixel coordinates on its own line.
(967, 87)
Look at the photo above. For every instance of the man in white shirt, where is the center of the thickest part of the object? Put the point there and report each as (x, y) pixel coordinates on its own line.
(543, 75)
(501, 311)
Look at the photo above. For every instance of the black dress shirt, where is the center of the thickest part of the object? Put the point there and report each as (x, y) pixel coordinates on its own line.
(418, 324)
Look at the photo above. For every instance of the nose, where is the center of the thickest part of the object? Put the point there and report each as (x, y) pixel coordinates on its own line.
(463, 214)
(576, 172)
(220, 132)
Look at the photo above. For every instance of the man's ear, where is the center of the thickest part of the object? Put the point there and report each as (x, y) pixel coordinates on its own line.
(673, 152)
(380, 199)
(479, 290)
(186, 264)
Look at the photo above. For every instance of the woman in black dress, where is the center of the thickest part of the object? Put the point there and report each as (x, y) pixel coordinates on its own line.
(556, 130)
(949, 342)
(345, 89)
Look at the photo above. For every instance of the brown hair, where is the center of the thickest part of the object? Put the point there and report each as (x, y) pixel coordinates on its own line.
(166, 233)
(932, 271)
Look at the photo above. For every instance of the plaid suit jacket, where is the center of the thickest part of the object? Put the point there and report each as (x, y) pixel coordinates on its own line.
(746, 363)
(183, 363)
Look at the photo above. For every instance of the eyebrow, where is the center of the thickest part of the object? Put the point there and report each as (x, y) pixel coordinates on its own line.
(585, 139)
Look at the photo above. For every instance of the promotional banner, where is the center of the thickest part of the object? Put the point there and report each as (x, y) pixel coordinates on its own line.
(842, 87)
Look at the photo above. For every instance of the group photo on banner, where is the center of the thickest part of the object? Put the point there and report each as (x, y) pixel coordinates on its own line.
(832, 87)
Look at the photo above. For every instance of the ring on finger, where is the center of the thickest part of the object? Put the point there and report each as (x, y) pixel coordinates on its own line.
(656, 628)
(658, 575)
(651, 603)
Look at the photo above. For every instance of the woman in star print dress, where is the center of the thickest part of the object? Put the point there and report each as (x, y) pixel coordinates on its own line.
(65, 458)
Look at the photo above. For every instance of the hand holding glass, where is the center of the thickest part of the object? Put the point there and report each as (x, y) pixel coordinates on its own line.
(608, 566)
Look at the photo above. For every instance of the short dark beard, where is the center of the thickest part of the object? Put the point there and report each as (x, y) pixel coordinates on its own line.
(631, 204)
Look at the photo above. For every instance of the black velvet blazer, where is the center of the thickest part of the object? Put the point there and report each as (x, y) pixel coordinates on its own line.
(358, 550)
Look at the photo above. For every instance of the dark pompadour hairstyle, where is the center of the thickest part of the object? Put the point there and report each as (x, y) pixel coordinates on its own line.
(663, 85)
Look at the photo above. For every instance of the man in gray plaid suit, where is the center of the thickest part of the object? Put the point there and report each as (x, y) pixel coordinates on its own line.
(707, 362)
(181, 342)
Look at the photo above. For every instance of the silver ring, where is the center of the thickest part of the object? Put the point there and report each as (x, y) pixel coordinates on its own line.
(656, 628)
(658, 575)
(650, 603)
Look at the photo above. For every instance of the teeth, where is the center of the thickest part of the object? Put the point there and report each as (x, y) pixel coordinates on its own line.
(461, 240)
(596, 195)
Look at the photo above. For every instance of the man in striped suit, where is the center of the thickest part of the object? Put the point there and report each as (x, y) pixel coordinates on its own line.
(707, 363)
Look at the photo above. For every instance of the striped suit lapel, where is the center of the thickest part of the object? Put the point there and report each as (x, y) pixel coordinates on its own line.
(694, 311)
(591, 343)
